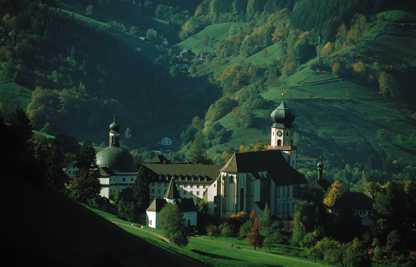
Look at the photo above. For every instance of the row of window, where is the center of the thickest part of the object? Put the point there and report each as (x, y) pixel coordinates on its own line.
(163, 185)
(181, 193)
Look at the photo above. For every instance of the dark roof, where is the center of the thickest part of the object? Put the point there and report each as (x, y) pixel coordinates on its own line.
(115, 158)
(181, 171)
(160, 158)
(282, 115)
(271, 161)
(172, 191)
(157, 204)
(185, 205)
(353, 200)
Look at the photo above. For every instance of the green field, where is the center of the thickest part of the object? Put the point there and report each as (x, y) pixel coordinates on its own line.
(216, 252)
(206, 39)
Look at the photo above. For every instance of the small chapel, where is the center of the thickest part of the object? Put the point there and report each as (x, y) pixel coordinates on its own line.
(186, 206)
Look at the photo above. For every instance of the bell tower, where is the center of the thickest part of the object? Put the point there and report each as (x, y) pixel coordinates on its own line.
(282, 132)
(114, 134)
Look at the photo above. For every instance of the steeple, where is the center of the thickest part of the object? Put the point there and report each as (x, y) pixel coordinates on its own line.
(282, 116)
(282, 133)
(172, 194)
(114, 133)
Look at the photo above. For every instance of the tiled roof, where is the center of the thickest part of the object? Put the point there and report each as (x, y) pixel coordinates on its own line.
(185, 205)
(157, 204)
(270, 161)
(183, 172)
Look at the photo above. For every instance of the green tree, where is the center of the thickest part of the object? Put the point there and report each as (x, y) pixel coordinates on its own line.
(51, 158)
(85, 158)
(393, 243)
(197, 152)
(83, 190)
(356, 254)
(273, 238)
(265, 221)
(254, 236)
(226, 230)
(245, 229)
(171, 222)
(133, 201)
(126, 205)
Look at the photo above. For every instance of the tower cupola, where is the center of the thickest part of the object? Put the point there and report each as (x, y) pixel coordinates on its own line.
(282, 116)
(282, 132)
(114, 134)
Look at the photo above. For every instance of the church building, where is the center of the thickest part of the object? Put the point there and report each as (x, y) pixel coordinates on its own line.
(252, 180)
(248, 181)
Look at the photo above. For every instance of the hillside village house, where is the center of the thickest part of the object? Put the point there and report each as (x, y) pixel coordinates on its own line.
(248, 181)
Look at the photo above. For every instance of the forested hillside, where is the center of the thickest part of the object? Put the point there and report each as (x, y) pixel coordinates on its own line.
(208, 73)
(345, 68)
(82, 69)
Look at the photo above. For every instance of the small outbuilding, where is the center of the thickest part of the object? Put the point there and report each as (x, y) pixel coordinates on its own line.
(186, 206)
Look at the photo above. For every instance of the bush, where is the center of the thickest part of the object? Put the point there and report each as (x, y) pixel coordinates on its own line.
(310, 239)
(245, 229)
(171, 222)
(212, 230)
(226, 230)
(356, 254)
(272, 239)
(328, 249)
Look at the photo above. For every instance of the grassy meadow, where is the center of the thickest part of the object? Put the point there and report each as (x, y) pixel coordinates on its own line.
(217, 252)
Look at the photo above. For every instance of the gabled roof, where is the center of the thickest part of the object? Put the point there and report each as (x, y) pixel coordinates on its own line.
(172, 191)
(185, 205)
(270, 161)
(157, 205)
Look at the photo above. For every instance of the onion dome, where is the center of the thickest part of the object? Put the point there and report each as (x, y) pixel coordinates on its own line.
(114, 126)
(116, 159)
(282, 116)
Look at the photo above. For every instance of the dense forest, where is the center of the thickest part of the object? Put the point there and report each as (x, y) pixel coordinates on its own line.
(208, 73)
(81, 75)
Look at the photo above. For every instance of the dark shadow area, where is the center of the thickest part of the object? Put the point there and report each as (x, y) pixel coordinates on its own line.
(213, 255)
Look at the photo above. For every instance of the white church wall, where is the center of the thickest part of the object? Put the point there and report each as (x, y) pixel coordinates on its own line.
(212, 192)
(152, 218)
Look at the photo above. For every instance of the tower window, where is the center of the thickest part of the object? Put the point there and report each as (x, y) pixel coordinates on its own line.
(279, 142)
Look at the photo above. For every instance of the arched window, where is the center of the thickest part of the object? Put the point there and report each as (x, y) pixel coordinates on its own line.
(279, 142)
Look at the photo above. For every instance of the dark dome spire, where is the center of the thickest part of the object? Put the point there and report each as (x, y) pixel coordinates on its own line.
(114, 126)
(282, 115)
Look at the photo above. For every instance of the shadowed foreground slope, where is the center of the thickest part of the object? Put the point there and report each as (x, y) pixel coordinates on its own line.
(51, 230)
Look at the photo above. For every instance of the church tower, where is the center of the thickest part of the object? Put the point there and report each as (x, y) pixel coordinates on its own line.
(114, 134)
(282, 132)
